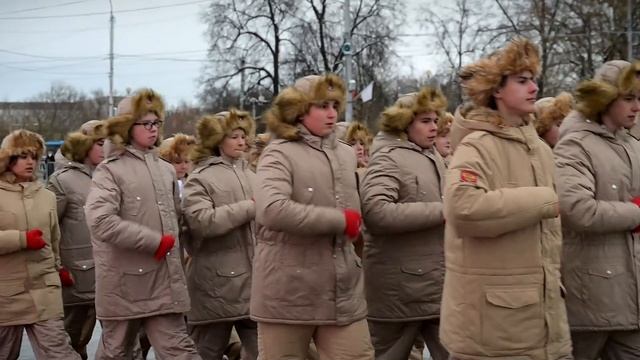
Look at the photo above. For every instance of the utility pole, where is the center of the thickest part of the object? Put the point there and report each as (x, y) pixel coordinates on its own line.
(242, 83)
(629, 31)
(347, 51)
(112, 21)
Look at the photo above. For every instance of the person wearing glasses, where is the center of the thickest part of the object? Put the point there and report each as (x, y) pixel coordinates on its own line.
(82, 151)
(132, 212)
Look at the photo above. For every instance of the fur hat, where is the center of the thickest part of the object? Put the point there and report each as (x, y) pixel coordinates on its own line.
(482, 78)
(444, 124)
(19, 142)
(396, 119)
(177, 148)
(132, 109)
(77, 144)
(293, 102)
(613, 79)
(358, 132)
(552, 110)
(211, 129)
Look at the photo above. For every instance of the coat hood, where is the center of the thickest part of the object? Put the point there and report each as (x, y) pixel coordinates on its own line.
(293, 102)
(576, 121)
(551, 110)
(177, 148)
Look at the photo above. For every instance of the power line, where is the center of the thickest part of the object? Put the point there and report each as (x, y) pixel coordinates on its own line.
(101, 12)
(50, 57)
(43, 7)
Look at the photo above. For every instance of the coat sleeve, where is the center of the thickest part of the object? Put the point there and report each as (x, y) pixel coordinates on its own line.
(12, 241)
(56, 187)
(380, 193)
(206, 218)
(102, 212)
(277, 211)
(55, 239)
(474, 209)
(576, 183)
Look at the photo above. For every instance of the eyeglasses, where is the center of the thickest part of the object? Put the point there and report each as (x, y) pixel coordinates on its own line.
(150, 124)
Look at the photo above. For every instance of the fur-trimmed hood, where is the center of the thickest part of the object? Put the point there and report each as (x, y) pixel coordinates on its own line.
(16, 143)
(482, 78)
(551, 110)
(293, 102)
(444, 124)
(77, 144)
(211, 130)
(396, 119)
(130, 110)
(357, 131)
(613, 79)
(177, 148)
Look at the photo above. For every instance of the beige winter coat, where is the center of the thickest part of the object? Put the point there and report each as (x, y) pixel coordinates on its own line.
(597, 176)
(29, 281)
(219, 211)
(502, 295)
(305, 270)
(130, 206)
(401, 197)
(71, 185)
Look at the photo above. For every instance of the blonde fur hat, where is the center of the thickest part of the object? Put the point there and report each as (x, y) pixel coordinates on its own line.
(177, 148)
(444, 124)
(357, 131)
(211, 130)
(77, 144)
(613, 79)
(551, 110)
(295, 101)
(19, 142)
(482, 78)
(132, 109)
(396, 119)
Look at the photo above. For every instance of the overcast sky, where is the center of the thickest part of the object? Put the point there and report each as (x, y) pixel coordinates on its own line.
(158, 44)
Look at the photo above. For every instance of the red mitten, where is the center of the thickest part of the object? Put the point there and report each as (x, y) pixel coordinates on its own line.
(636, 200)
(65, 277)
(166, 244)
(35, 240)
(353, 220)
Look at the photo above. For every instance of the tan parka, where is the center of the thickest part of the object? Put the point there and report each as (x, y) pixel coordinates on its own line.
(219, 211)
(403, 260)
(502, 296)
(598, 173)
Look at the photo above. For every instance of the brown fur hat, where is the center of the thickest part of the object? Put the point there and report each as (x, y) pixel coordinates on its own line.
(613, 79)
(211, 130)
(132, 109)
(444, 124)
(482, 78)
(357, 131)
(293, 102)
(19, 142)
(396, 119)
(77, 144)
(177, 148)
(551, 110)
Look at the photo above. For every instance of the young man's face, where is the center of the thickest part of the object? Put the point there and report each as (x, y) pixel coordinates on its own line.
(423, 129)
(623, 111)
(321, 119)
(443, 145)
(518, 94)
(234, 144)
(144, 132)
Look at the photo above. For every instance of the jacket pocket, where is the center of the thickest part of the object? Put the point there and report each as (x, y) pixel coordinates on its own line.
(131, 205)
(598, 281)
(233, 283)
(84, 275)
(138, 284)
(8, 292)
(513, 318)
(421, 282)
(8, 221)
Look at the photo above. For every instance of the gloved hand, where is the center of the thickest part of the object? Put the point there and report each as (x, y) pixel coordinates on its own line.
(353, 220)
(166, 244)
(65, 277)
(35, 240)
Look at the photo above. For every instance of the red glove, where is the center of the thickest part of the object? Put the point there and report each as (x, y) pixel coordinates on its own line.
(35, 240)
(166, 244)
(65, 277)
(353, 220)
(636, 200)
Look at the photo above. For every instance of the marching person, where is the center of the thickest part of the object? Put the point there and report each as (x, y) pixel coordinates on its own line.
(307, 280)
(442, 143)
(549, 114)
(177, 150)
(219, 210)
(401, 197)
(501, 295)
(30, 268)
(132, 215)
(598, 172)
(82, 151)
(359, 138)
